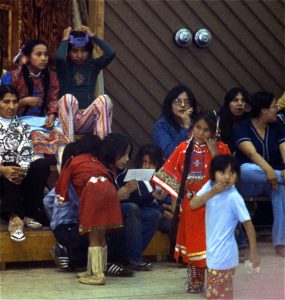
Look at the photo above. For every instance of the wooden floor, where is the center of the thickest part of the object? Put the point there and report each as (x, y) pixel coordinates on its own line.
(35, 281)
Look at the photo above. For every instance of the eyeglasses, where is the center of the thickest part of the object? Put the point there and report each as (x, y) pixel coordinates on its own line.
(179, 101)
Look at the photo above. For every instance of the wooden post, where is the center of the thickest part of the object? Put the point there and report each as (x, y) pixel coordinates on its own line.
(96, 19)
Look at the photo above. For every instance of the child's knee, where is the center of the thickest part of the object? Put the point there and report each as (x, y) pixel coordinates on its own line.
(103, 102)
(67, 99)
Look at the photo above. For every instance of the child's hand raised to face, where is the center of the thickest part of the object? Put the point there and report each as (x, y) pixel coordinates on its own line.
(212, 146)
(219, 187)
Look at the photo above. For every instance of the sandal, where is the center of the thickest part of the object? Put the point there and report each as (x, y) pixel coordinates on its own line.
(118, 270)
(140, 266)
(15, 228)
(31, 223)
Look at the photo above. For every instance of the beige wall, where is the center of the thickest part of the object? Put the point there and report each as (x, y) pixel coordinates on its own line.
(247, 50)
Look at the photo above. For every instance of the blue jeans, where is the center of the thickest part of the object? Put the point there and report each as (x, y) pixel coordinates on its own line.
(253, 182)
(140, 225)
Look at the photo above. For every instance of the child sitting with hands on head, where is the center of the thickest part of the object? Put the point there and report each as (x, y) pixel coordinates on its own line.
(77, 70)
(224, 209)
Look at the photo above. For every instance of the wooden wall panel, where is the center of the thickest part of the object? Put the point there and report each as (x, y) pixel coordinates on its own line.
(247, 50)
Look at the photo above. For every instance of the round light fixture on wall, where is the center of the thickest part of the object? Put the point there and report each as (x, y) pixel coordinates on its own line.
(183, 37)
(202, 38)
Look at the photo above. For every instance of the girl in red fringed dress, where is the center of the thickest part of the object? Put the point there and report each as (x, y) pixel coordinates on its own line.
(99, 205)
(197, 152)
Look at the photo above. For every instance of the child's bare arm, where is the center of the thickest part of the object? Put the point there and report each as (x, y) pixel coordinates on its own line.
(250, 232)
(199, 201)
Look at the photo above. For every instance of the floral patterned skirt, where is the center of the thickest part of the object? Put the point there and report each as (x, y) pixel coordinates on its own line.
(220, 284)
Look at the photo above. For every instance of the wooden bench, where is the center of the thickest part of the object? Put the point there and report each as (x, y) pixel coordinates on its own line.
(158, 246)
(37, 245)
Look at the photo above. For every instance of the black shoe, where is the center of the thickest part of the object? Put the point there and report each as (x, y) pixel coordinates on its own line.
(59, 255)
(118, 270)
(140, 266)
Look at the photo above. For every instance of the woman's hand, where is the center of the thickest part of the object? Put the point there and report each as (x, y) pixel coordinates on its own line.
(13, 173)
(212, 146)
(66, 33)
(49, 121)
(272, 178)
(31, 101)
(167, 215)
(158, 194)
(185, 117)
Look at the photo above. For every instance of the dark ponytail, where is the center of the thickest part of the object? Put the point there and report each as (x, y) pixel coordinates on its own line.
(174, 223)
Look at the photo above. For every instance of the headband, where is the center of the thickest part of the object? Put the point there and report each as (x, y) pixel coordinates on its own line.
(80, 41)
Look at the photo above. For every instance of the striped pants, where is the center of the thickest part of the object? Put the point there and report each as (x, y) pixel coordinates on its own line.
(96, 118)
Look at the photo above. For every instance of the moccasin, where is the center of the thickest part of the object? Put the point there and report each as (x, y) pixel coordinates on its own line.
(31, 223)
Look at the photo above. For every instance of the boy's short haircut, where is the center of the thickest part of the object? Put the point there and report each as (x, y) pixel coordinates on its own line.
(221, 162)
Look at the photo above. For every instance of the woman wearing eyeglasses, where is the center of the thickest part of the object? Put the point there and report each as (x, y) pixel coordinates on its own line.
(260, 143)
(174, 124)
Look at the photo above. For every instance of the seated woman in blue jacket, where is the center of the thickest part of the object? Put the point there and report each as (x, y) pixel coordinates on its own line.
(174, 125)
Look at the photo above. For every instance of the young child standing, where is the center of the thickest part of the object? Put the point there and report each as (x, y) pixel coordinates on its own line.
(190, 163)
(224, 209)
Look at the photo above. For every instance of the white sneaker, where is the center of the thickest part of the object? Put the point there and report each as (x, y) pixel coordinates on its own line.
(15, 229)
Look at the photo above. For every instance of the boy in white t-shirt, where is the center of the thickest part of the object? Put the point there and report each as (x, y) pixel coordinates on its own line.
(224, 209)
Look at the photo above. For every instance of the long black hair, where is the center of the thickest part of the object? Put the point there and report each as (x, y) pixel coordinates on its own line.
(167, 104)
(226, 116)
(153, 151)
(45, 77)
(89, 144)
(1, 62)
(114, 147)
(259, 101)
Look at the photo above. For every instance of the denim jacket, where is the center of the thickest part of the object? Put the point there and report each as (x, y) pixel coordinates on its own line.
(166, 136)
(67, 213)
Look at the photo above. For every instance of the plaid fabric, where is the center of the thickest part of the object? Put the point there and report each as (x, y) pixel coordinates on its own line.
(96, 118)
(220, 284)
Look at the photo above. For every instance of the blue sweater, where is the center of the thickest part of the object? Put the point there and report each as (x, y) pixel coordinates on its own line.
(166, 136)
